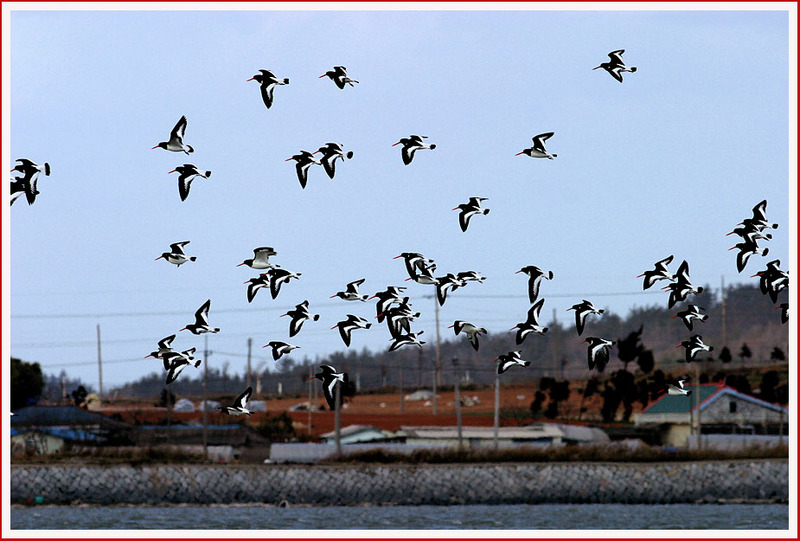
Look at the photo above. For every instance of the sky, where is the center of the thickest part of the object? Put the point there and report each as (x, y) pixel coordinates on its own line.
(667, 162)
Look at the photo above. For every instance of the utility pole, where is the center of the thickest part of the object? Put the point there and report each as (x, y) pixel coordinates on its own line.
(99, 366)
(249, 369)
(438, 359)
(458, 400)
(722, 295)
(496, 410)
(401, 387)
(337, 419)
(205, 397)
(435, 411)
(697, 405)
(555, 344)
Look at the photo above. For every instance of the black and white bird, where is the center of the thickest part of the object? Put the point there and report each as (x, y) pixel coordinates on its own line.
(470, 209)
(399, 318)
(255, 284)
(679, 389)
(597, 352)
(176, 362)
(425, 276)
(348, 325)
(351, 292)
(693, 346)
(582, 310)
(279, 276)
(392, 294)
(682, 287)
(507, 360)
(164, 347)
(176, 255)
(531, 324)
(784, 308)
(691, 312)
(239, 405)
(267, 81)
(446, 283)
(186, 174)
(175, 142)
(747, 248)
(414, 262)
(660, 272)
(330, 378)
(304, 159)
(279, 349)
(470, 276)
(299, 316)
(29, 181)
(29, 168)
(22, 186)
(410, 339)
(260, 259)
(772, 280)
(339, 76)
(535, 275)
(472, 331)
(759, 219)
(411, 144)
(330, 153)
(538, 150)
(200, 325)
(615, 66)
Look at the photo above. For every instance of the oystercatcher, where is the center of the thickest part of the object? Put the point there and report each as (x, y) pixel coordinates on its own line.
(277, 277)
(693, 346)
(348, 325)
(535, 275)
(175, 143)
(339, 76)
(176, 255)
(409, 339)
(512, 358)
(598, 352)
(616, 65)
(691, 312)
(538, 150)
(351, 292)
(200, 325)
(255, 284)
(660, 272)
(411, 144)
(260, 258)
(582, 310)
(176, 362)
(280, 349)
(330, 153)
(299, 315)
(267, 81)
(304, 159)
(470, 209)
(679, 389)
(164, 347)
(239, 405)
(329, 378)
(472, 331)
(531, 324)
(186, 174)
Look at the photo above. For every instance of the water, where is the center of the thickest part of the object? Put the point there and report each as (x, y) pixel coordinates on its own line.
(425, 517)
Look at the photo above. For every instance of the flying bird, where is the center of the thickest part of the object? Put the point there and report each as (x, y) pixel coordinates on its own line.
(784, 308)
(330, 153)
(200, 325)
(693, 346)
(682, 287)
(299, 316)
(531, 324)
(279, 349)
(175, 142)
(176, 255)
(329, 378)
(598, 352)
(772, 280)
(470, 209)
(392, 294)
(746, 249)
(535, 275)
(582, 310)
(186, 174)
(29, 168)
(267, 81)
(255, 284)
(351, 292)
(411, 144)
(660, 272)
(304, 159)
(445, 284)
(679, 389)
(615, 66)
(512, 358)
(470, 276)
(472, 331)
(409, 339)
(414, 263)
(176, 362)
(164, 347)
(260, 259)
(692, 312)
(339, 76)
(348, 325)
(278, 277)
(28, 182)
(538, 150)
(239, 405)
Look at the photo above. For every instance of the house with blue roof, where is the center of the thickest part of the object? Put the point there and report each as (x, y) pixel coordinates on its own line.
(722, 410)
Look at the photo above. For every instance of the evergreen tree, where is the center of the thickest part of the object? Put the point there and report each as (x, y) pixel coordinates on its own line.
(27, 383)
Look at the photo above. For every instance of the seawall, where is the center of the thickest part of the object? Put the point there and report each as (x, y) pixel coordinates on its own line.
(440, 484)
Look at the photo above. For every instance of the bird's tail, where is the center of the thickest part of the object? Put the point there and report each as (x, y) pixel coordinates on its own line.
(286, 81)
(47, 169)
(554, 156)
(433, 145)
(197, 363)
(193, 258)
(208, 174)
(688, 393)
(316, 317)
(633, 69)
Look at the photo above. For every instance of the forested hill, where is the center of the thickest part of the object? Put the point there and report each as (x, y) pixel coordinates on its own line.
(749, 319)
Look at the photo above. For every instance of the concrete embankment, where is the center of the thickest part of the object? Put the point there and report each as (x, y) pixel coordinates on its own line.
(441, 484)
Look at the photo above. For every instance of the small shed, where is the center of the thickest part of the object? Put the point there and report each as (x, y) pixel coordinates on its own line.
(536, 434)
(723, 410)
(359, 434)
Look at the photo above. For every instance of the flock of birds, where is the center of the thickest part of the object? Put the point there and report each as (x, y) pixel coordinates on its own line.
(392, 307)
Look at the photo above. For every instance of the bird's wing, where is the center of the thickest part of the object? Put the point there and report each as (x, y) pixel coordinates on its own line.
(179, 129)
(166, 343)
(184, 183)
(534, 311)
(266, 93)
(615, 73)
(177, 247)
(242, 400)
(616, 56)
(538, 140)
(201, 316)
(408, 153)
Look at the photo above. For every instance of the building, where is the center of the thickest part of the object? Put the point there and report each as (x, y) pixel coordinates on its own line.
(538, 434)
(71, 424)
(359, 434)
(723, 410)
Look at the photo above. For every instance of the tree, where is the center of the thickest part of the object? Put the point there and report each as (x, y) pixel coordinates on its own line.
(629, 348)
(79, 397)
(725, 355)
(768, 386)
(777, 354)
(646, 361)
(745, 352)
(27, 383)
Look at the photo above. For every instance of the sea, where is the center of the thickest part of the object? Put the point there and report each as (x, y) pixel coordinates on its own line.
(706, 516)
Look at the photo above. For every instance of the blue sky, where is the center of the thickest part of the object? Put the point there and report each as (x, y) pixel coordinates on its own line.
(665, 163)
